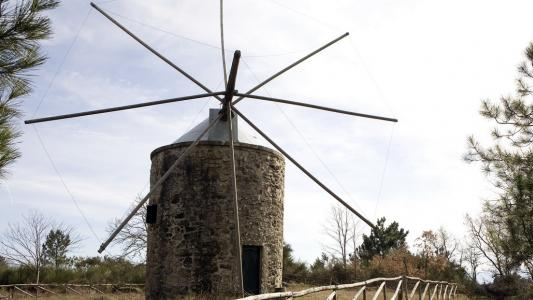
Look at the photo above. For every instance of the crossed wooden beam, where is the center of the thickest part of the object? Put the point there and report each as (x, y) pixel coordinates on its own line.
(227, 112)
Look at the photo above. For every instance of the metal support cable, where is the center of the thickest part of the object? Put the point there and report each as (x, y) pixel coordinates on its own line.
(385, 165)
(306, 15)
(370, 74)
(380, 188)
(149, 48)
(188, 128)
(304, 139)
(182, 37)
(226, 109)
(222, 42)
(61, 63)
(311, 176)
(292, 66)
(206, 102)
(71, 195)
(159, 182)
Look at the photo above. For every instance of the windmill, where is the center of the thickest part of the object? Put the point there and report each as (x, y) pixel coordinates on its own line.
(228, 98)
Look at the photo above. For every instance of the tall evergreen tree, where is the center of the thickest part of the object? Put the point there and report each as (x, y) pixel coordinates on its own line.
(382, 240)
(508, 163)
(22, 26)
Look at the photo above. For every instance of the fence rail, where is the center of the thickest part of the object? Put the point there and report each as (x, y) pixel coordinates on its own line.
(406, 288)
(32, 290)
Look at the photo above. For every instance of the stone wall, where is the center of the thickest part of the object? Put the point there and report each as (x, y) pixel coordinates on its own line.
(191, 248)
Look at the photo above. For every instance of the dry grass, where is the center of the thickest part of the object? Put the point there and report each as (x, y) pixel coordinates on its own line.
(125, 296)
(341, 295)
(135, 296)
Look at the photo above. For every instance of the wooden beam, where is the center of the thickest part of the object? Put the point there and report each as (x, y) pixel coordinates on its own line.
(425, 290)
(292, 66)
(376, 295)
(23, 291)
(145, 45)
(118, 108)
(46, 290)
(160, 181)
(434, 292)
(230, 87)
(361, 290)
(332, 296)
(324, 187)
(73, 290)
(97, 290)
(397, 291)
(413, 290)
(318, 107)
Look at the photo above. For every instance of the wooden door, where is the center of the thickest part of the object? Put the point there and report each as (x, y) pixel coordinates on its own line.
(251, 269)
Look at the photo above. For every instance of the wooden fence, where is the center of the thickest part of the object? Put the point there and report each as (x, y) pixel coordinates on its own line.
(9, 291)
(410, 288)
(404, 287)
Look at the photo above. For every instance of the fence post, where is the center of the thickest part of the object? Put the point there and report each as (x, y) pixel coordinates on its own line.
(432, 294)
(452, 293)
(400, 295)
(405, 287)
(280, 290)
(404, 280)
(364, 293)
(385, 290)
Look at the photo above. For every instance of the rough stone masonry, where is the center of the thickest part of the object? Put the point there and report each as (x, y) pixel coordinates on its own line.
(191, 247)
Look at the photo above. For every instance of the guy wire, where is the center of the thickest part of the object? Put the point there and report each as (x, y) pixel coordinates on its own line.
(56, 170)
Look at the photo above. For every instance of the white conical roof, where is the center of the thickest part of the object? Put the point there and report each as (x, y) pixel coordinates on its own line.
(219, 132)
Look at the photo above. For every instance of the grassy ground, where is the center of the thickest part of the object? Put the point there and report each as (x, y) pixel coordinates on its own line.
(341, 295)
(133, 296)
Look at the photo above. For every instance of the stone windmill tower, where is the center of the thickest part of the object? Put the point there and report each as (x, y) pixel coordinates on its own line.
(191, 243)
(216, 197)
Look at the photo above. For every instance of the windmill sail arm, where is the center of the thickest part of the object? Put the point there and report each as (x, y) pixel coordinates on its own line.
(323, 186)
(159, 182)
(317, 107)
(156, 53)
(294, 64)
(119, 108)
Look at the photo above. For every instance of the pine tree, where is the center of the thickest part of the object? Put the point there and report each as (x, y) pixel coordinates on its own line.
(382, 240)
(56, 247)
(508, 163)
(22, 26)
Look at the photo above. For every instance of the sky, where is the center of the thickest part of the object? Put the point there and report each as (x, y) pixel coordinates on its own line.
(427, 63)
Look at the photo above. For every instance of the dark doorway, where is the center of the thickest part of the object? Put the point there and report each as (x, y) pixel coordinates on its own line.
(251, 269)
